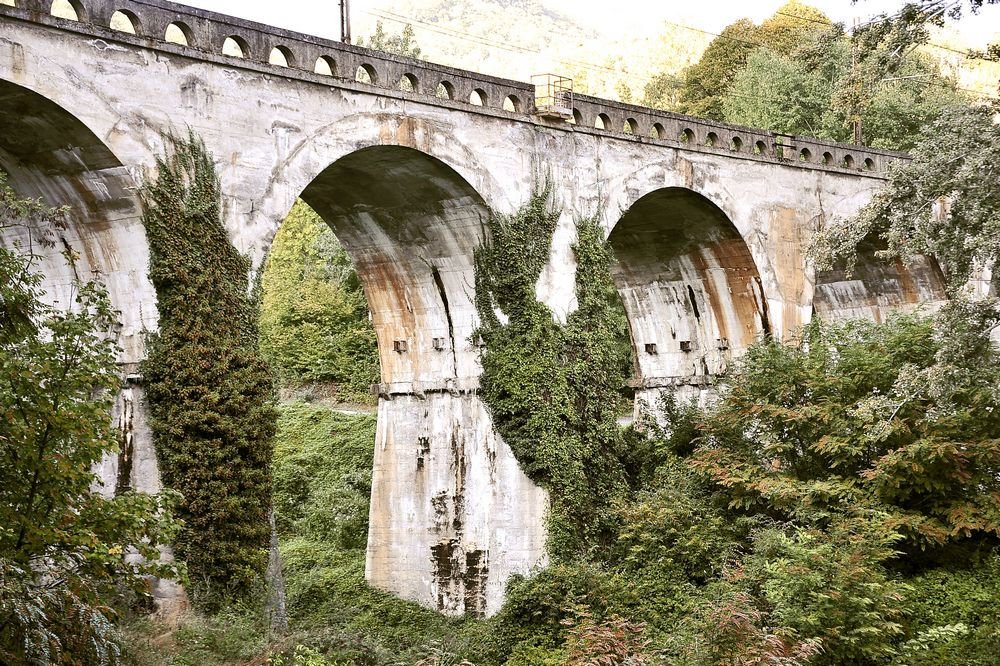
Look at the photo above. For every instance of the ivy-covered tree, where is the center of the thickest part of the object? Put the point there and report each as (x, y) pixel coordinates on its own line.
(68, 560)
(210, 392)
(314, 322)
(554, 390)
(945, 202)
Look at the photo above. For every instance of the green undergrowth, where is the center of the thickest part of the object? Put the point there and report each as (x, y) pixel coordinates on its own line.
(322, 484)
(315, 330)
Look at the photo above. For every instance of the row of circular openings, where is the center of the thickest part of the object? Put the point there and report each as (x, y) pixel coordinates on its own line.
(687, 135)
(445, 89)
(237, 47)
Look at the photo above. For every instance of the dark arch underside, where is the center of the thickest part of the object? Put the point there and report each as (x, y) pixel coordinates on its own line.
(876, 288)
(50, 154)
(689, 285)
(411, 225)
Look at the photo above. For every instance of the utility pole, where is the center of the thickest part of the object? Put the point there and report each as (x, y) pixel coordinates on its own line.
(345, 21)
(855, 84)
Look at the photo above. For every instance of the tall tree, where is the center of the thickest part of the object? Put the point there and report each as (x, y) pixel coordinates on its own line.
(404, 44)
(816, 91)
(705, 82)
(67, 554)
(210, 393)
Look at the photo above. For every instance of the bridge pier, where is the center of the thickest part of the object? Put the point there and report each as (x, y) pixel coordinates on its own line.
(452, 515)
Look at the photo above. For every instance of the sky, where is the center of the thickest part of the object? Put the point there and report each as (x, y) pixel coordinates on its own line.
(321, 17)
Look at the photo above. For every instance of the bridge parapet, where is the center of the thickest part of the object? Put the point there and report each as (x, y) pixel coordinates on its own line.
(166, 25)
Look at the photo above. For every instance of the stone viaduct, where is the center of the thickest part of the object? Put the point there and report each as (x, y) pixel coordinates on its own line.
(710, 224)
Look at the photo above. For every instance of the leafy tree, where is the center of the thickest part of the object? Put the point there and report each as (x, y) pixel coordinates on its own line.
(68, 556)
(816, 91)
(210, 393)
(314, 317)
(778, 93)
(858, 419)
(944, 203)
(404, 44)
(705, 82)
(708, 79)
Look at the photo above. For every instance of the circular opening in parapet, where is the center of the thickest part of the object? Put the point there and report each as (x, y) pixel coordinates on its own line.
(281, 56)
(409, 83)
(512, 103)
(869, 164)
(71, 10)
(631, 126)
(325, 65)
(805, 155)
(760, 148)
(477, 97)
(603, 121)
(125, 21)
(577, 118)
(848, 161)
(657, 131)
(687, 135)
(827, 158)
(445, 91)
(178, 33)
(366, 74)
(236, 47)
(736, 144)
(712, 139)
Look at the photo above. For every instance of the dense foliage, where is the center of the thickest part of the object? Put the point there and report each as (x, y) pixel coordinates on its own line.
(816, 92)
(798, 73)
(706, 82)
(209, 391)
(555, 390)
(944, 203)
(68, 560)
(314, 325)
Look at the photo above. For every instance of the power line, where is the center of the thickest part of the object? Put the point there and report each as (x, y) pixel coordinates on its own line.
(482, 41)
(829, 23)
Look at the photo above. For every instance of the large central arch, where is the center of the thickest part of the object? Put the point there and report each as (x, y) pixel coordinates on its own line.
(411, 225)
(452, 516)
(690, 287)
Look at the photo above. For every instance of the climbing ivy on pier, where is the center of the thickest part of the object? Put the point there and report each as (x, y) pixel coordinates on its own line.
(210, 393)
(554, 390)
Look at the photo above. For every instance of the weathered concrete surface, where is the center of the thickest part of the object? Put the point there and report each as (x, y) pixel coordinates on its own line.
(406, 180)
(135, 469)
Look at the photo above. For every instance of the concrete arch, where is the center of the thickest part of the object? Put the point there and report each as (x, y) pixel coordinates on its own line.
(409, 204)
(877, 288)
(690, 287)
(411, 225)
(51, 154)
